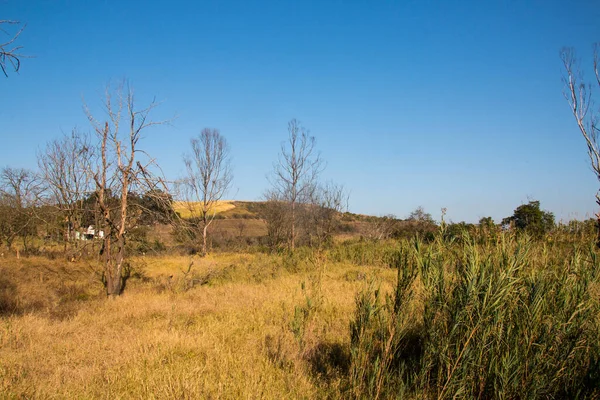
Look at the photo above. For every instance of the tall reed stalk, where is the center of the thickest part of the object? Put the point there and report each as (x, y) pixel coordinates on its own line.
(516, 319)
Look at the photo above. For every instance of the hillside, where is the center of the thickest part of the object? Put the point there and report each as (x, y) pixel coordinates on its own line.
(245, 223)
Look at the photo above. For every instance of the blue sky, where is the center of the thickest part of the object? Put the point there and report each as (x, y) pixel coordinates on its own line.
(454, 104)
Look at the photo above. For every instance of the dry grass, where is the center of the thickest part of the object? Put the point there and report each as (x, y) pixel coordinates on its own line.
(226, 338)
(309, 325)
(188, 209)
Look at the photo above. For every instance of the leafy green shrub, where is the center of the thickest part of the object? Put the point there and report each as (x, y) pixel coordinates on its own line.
(531, 219)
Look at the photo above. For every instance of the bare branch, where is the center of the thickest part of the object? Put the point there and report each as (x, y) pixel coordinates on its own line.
(295, 174)
(208, 177)
(65, 167)
(121, 172)
(10, 55)
(579, 96)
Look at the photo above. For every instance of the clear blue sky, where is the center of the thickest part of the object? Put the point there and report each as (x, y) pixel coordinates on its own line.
(454, 104)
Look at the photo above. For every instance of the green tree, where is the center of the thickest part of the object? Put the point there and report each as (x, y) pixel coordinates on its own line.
(486, 223)
(531, 219)
(456, 231)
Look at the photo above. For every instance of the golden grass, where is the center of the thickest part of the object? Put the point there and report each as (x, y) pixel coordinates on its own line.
(228, 339)
(233, 325)
(187, 209)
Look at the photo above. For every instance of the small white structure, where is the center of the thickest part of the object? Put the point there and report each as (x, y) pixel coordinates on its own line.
(89, 234)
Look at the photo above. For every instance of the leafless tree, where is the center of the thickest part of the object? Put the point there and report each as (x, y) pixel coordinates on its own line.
(296, 172)
(208, 177)
(9, 52)
(20, 193)
(384, 227)
(65, 167)
(322, 215)
(580, 96)
(121, 169)
(276, 216)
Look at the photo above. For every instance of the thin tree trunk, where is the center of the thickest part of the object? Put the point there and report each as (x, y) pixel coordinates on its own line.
(114, 266)
(204, 232)
(598, 224)
(67, 235)
(293, 238)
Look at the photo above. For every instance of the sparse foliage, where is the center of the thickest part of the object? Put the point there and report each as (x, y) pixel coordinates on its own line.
(121, 169)
(583, 104)
(65, 167)
(295, 175)
(323, 214)
(153, 207)
(275, 214)
(419, 223)
(208, 177)
(383, 227)
(20, 193)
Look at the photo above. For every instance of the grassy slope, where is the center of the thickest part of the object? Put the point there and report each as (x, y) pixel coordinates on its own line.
(237, 219)
(188, 209)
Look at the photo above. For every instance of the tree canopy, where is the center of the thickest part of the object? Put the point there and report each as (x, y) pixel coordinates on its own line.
(531, 219)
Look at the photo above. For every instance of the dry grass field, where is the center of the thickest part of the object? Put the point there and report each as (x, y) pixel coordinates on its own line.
(188, 209)
(362, 319)
(228, 336)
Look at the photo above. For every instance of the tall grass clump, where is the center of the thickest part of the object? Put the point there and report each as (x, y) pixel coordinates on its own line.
(379, 333)
(515, 320)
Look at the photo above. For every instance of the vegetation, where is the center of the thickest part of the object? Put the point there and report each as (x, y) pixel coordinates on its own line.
(207, 180)
(582, 100)
(296, 298)
(121, 170)
(492, 315)
(528, 218)
(300, 209)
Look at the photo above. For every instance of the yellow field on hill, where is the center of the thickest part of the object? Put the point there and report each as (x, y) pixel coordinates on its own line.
(188, 209)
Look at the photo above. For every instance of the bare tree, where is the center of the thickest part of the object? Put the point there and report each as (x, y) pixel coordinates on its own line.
(323, 213)
(122, 169)
(580, 96)
(276, 216)
(9, 51)
(65, 166)
(296, 172)
(20, 193)
(383, 227)
(208, 177)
